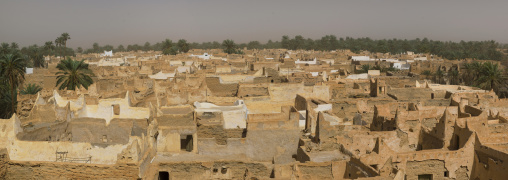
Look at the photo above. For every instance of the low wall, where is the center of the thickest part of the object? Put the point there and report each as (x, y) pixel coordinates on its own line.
(45, 151)
(234, 146)
(216, 170)
(59, 170)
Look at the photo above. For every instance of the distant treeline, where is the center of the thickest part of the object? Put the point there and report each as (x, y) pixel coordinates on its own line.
(486, 50)
(482, 50)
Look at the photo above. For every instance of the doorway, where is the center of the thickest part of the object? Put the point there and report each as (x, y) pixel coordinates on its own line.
(163, 175)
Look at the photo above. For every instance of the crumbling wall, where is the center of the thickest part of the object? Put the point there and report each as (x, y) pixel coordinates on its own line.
(59, 170)
(229, 147)
(4, 158)
(96, 131)
(489, 163)
(435, 168)
(252, 91)
(216, 170)
(222, 90)
(55, 132)
(288, 92)
(219, 133)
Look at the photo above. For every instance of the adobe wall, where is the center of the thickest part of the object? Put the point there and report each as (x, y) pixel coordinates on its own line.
(489, 163)
(252, 90)
(216, 170)
(117, 132)
(315, 171)
(54, 132)
(60, 170)
(4, 159)
(288, 92)
(174, 127)
(436, 168)
(45, 150)
(231, 147)
(458, 163)
(169, 140)
(221, 90)
(334, 170)
(415, 93)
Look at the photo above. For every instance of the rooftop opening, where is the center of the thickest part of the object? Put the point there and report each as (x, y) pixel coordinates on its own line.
(425, 177)
(186, 143)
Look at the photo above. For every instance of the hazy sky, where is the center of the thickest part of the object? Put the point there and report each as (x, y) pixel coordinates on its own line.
(128, 22)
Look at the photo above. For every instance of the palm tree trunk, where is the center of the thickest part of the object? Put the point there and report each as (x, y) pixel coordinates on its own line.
(65, 49)
(13, 99)
(492, 84)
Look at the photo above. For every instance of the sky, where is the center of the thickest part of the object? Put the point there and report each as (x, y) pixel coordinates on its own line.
(126, 22)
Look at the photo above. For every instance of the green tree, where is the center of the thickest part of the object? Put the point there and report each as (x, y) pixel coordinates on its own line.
(147, 46)
(229, 46)
(297, 43)
(490, 76)
(5, 100)
(48, 47)
(468, 74)
(365, 68)
(215, 45)
(254, 45)
(63, 38)
(108, 47)
(36, 55)
(12, 69)
(59, 41)
(31, 89)
(96, 48)
(5, 49)
(427, 74)
(438, 75)
(14, 46)
(166, 46)
(454, 77)
(73, 74)
(120, 48)
(79, 50)
(173, 50)
(285, 42)
(183, 46)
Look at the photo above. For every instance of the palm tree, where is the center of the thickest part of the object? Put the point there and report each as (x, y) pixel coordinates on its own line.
(14, 46)
(183, 46)
(166, 46)
(453, 75)
(229, 46)
(490, 76)
(31, 89)
(438, 75)
(365, 68)
(468, 74)
(73, 74)
(476, 66)
(35, 53)
(5, 100)
(65, 37)
(48, 47)
(4, 49)
(427, 73)
(12, 69)
(58, 44)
